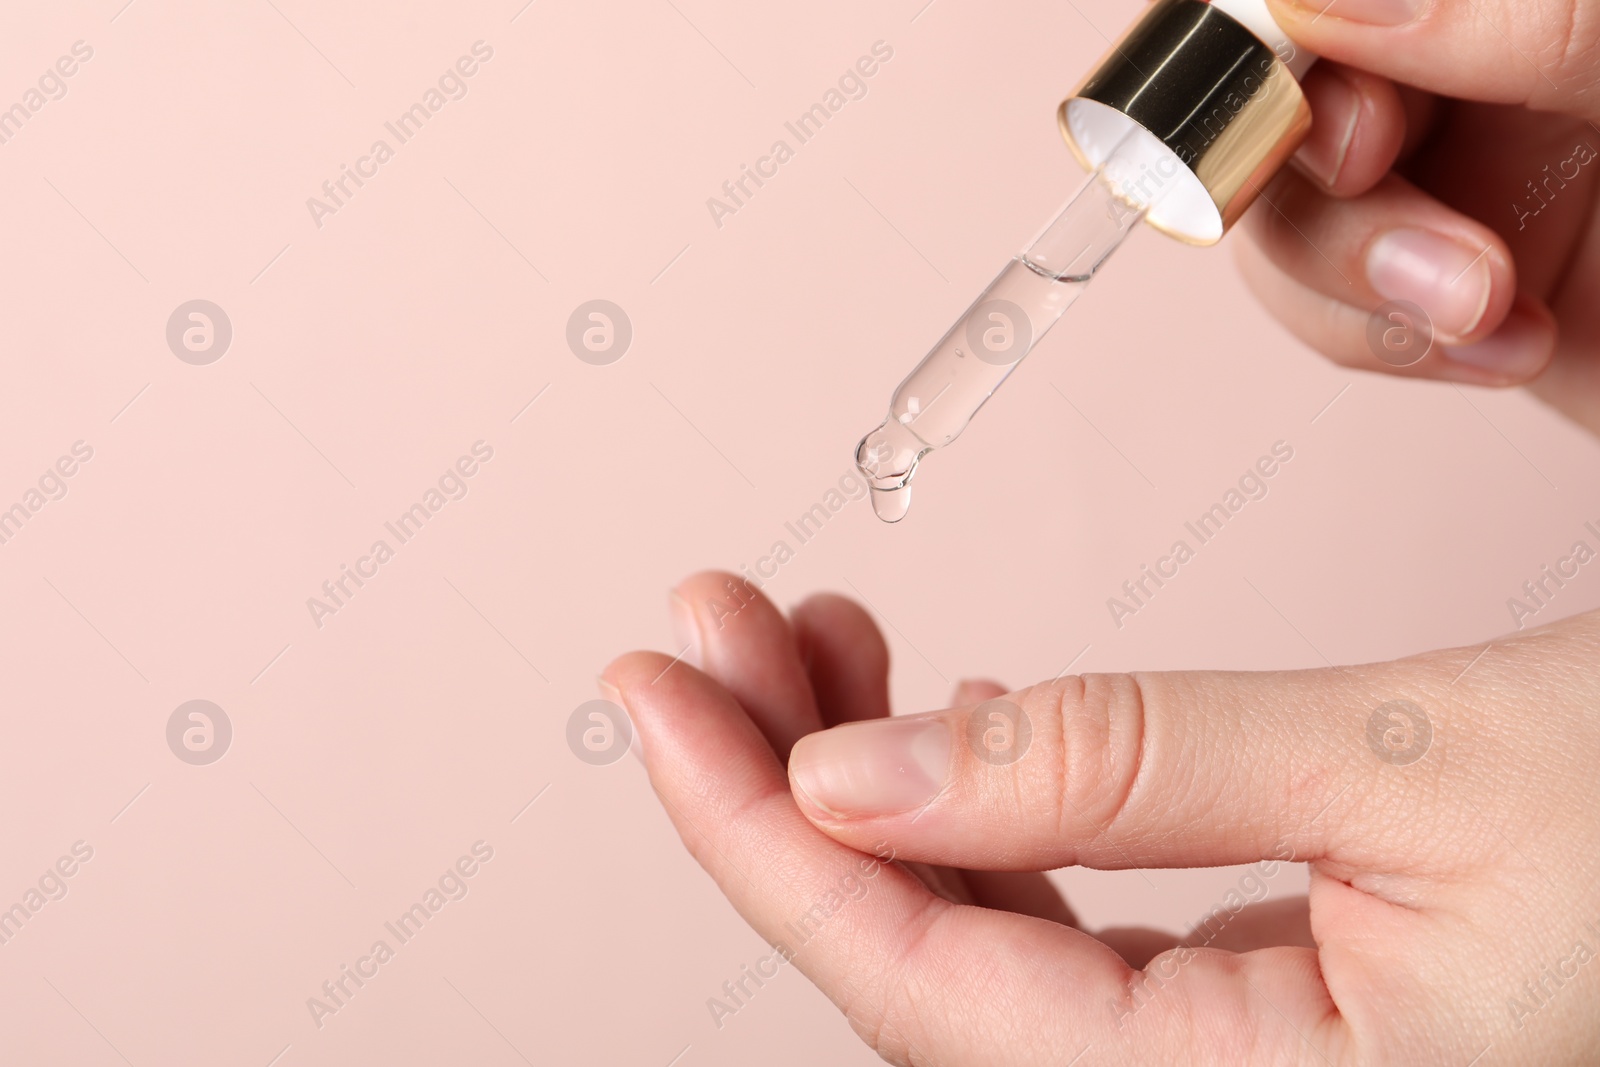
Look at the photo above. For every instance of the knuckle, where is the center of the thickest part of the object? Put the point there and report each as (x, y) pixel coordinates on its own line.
(890, 1013)
(1102, 742)
(1566, 46)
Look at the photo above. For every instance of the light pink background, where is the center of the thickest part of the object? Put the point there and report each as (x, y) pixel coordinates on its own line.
(368, 354)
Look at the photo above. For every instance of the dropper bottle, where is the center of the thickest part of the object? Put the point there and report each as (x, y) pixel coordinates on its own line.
(1180, 124)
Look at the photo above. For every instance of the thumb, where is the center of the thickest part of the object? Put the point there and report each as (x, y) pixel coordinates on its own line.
(1534, 52)
(1182, 769)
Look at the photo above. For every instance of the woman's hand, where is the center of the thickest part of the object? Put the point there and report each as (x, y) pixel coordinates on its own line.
(1447, 804)
(1452, 164)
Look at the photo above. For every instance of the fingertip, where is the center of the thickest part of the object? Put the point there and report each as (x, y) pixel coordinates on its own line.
(872, 769)
(845, 657)
(631, 673)
(1358, 127)
(828, 618)
(975, 691)
(712, 597)
(742, 641)
(1515, 353)
(1292, 15)
(819, 815)
(1458, 271)
(1364, 279)
(808, 755)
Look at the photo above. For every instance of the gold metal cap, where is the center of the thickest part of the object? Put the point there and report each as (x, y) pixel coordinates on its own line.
(1207, 89)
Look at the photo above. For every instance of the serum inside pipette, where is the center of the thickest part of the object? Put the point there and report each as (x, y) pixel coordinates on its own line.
(939, 397)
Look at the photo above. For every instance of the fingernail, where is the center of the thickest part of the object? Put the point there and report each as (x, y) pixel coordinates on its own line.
(1515, 352)
(1444, 277)
(881, 767)
(613, 694)
(685, 628)
(1372, 12)
(1337, 107)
